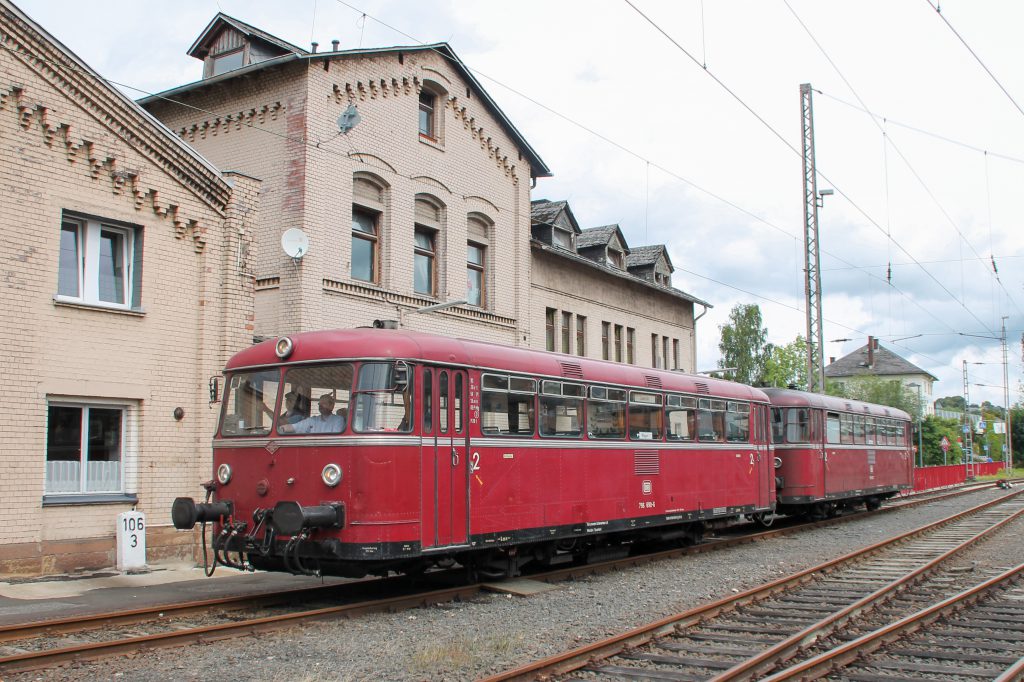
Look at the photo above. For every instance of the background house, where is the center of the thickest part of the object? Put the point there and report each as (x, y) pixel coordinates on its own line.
(873, 360)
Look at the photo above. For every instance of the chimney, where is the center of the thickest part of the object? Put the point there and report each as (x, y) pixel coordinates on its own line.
(871, 352)
(315, 45)
(334, 45)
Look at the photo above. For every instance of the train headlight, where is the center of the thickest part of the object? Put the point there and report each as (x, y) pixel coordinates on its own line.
(223, 474)
(778, 462)
(331, 475)
(284, 347)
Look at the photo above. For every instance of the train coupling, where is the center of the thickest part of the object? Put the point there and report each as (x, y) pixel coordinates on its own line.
(291, 518)
(185, 513)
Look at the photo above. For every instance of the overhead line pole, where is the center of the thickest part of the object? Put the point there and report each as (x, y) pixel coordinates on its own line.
(812, 261)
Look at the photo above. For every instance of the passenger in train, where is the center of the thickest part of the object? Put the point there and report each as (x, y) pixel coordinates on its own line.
(325, 422)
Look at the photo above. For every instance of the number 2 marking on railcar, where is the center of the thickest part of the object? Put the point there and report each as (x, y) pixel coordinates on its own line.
(474, 462)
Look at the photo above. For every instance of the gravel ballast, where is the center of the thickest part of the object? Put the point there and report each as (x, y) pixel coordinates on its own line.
(495, 632)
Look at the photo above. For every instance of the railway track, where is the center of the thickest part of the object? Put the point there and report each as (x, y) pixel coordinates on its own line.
(34, 646)
(755, 633)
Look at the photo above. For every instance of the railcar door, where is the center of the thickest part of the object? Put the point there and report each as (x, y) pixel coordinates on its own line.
(444, 458)
(765, 457)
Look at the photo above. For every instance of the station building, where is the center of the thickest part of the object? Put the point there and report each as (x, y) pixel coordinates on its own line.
(411, 186)
(597, 297)
(125, 288)
(139, 266)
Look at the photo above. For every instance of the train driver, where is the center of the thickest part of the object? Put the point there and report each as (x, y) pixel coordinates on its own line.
(325, 422)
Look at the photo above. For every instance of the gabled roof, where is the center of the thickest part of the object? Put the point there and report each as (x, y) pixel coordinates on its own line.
(201, 47)
(538, 168)
(641, 256)
(546, 212)
(615, 272)
(884, 363)
(123, 117)
(600, 236)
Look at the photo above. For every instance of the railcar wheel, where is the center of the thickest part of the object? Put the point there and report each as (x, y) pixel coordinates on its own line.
(872, 503)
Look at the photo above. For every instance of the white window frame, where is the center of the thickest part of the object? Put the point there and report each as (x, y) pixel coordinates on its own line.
(129, 447)
(89, 235)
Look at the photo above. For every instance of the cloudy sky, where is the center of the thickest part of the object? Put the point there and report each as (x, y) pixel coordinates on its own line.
(680, 121)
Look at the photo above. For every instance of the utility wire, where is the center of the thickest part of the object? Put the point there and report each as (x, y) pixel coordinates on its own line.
(975, 55)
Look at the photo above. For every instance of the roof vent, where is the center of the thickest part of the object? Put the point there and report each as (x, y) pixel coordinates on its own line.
(335, 44)
(652, 381)
(315, 45)
(702, 387)
(571, 370)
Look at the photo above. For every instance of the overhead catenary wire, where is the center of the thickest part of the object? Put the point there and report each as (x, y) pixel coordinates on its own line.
(903, 157)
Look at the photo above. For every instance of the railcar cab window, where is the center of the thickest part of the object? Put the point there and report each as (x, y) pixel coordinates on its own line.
(383, 398)
(645, 416)
(737, 422)
(711, 420)
(561, 409)
(791, 425)
(507, 407)
(249, 403)
(606, 412)
(681, 415)
(316, 399)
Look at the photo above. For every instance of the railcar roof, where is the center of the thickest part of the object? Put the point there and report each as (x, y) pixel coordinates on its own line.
(344, 344)
(784, 397)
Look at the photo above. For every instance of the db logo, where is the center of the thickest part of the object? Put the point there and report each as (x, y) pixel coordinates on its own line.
(647, 487)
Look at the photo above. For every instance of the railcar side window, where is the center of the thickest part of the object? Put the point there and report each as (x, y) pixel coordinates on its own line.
(858, 429)
(798, 425)
(428, 401)
(249, 403)
(737, 422)
(442, 402)
(711, 420)
(507, 405)
(681, 415)
(316, 399)
(606, 413)
(778, 430)
(846, 428)
(645, 416)
(832, 427)
(382, 402)
(561, 409)
(870, 430)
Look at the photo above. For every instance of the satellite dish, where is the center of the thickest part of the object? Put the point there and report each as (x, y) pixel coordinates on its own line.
(348, 119)
(295, 243)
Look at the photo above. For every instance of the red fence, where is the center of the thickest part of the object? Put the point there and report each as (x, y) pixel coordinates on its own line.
(926, 478)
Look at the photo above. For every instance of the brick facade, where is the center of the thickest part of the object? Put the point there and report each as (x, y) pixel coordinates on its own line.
(280, 124)
(70, 145)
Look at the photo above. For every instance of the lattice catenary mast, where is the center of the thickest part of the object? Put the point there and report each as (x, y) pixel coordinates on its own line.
(812, 261)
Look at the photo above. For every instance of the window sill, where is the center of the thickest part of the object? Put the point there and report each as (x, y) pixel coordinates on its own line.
(432, 142)
(66, 302)
(62, 499)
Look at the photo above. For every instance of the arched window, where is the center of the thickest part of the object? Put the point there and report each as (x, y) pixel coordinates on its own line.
(367, 220)
(478, 230)
(427, 238)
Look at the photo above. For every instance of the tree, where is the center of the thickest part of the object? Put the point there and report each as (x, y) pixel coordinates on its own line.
(743, 344)
(871, 389)
(933, 428)
(952, 402)
(786, 365)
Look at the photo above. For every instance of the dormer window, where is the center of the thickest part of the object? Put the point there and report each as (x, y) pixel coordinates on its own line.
(227, 61)
(561, 239)
(615, 259)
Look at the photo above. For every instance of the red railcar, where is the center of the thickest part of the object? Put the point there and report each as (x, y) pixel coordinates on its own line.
(833, 453)
(420, 449)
